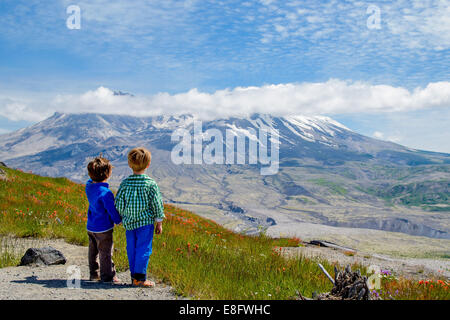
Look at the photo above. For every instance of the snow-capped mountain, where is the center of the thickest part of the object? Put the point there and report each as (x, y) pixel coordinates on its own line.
(328, 174)
(297, 134)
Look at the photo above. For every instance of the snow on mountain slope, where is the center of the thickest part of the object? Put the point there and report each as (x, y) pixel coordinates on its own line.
(299, 136)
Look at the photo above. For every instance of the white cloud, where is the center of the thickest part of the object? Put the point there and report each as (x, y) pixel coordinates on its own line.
(17, 109)
(267, 2)
(283, 37)
(378, 135)
(331, 97)
(423, 24)
(393, 138)
(409, 24)
(398, 139)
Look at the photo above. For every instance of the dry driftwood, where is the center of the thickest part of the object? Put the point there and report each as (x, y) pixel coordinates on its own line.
(326, 273)
(347, 285)
(332, 245)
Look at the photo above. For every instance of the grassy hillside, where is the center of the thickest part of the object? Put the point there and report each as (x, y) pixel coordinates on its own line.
(198, 257)
(430, 195)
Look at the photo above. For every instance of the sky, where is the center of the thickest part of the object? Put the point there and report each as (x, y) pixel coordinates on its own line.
(382, 68)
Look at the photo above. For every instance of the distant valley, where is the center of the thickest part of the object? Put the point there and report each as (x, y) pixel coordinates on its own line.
(329, 177)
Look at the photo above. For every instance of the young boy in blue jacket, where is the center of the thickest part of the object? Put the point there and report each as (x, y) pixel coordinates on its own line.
(102, 216)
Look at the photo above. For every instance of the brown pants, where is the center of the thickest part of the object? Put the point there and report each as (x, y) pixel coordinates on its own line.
(101, 246)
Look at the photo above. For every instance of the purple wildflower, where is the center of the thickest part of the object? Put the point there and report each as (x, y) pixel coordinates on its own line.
(386, 272)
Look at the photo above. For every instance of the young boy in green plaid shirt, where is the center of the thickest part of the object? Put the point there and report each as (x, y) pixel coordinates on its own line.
(140, 204)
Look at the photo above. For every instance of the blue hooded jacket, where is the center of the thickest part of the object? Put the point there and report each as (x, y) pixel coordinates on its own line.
(102, 213)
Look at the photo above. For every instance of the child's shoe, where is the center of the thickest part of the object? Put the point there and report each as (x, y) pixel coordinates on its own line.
(94, 278)
(143, 284)
(114, 280)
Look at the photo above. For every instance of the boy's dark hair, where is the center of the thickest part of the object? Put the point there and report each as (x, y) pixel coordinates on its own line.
(99, 169)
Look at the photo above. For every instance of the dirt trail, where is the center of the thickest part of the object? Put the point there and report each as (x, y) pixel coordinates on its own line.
(50, 282)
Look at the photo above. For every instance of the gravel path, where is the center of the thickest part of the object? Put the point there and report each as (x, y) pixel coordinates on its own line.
(50, 282)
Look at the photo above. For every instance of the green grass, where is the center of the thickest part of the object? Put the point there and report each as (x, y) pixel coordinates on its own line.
(333, 187)
(429, 195)
(198, 257)
(8, 256)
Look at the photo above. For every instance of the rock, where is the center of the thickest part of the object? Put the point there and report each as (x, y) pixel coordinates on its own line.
(2, 164)
(42, 256)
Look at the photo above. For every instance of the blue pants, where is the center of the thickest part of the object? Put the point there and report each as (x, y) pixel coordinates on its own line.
(139, 249)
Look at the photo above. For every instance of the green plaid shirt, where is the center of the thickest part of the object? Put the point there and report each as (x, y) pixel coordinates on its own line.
(139, 202)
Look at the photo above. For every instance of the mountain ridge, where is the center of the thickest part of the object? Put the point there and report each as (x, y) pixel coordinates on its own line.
(328, 174)
(118, 126)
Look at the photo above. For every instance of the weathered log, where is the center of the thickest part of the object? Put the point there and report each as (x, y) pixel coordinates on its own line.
(326, 273)
(328, 244)
(347, 285)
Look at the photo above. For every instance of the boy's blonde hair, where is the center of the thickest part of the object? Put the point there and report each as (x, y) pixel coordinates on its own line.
(139, 158)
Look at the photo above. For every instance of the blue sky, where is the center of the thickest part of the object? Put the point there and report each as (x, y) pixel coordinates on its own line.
(170, 48)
